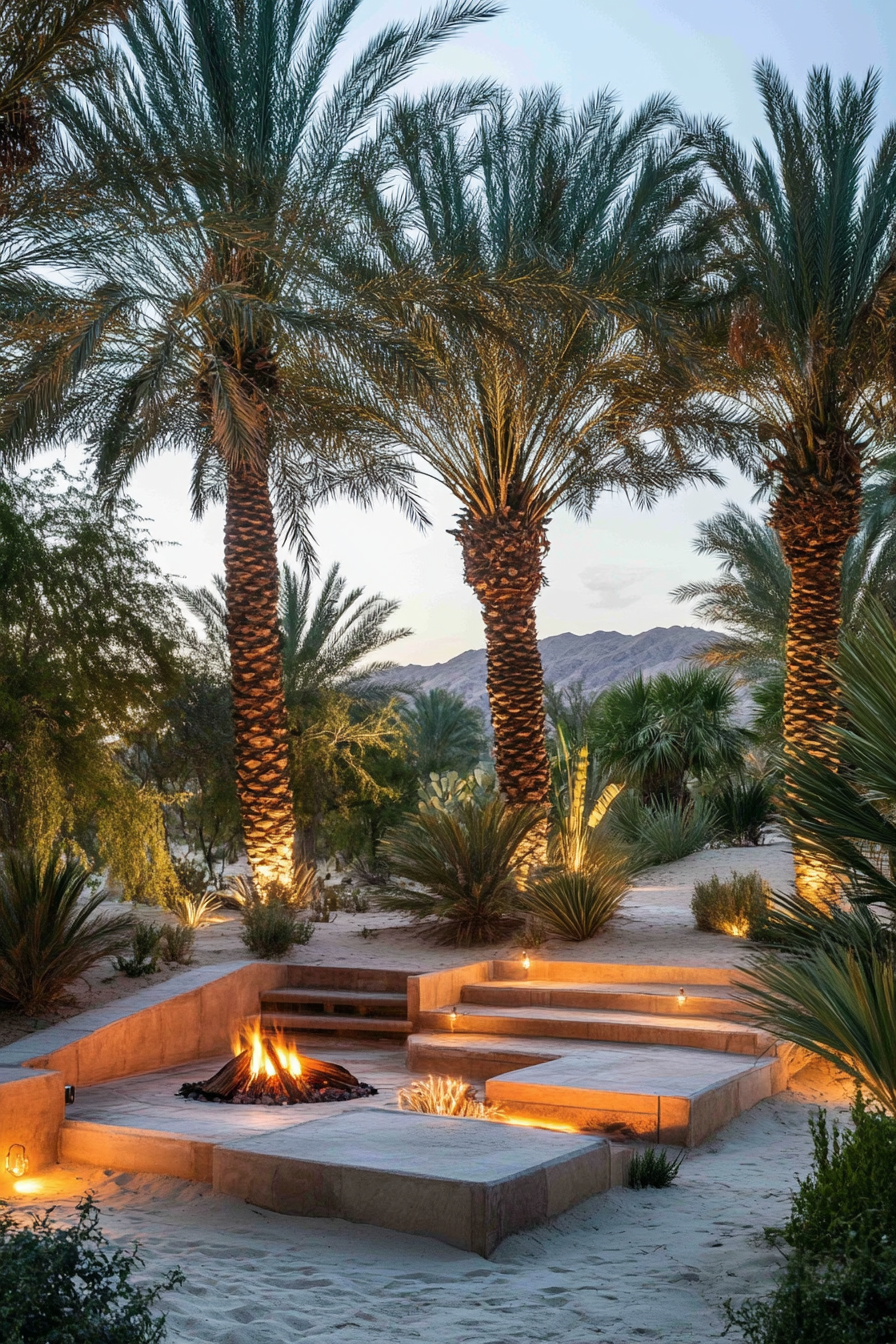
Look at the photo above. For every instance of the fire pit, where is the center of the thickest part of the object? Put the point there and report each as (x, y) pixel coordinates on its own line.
(266, 1071)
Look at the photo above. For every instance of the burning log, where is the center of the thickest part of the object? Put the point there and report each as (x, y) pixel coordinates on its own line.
(272, 1073)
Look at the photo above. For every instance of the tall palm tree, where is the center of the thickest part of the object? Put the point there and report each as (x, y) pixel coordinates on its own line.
(809, 246)
(212, 149)
(444, 733)
(565, 381)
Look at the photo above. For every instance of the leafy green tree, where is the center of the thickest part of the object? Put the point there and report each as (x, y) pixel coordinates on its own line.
(444, 733)
(577, 236)
(657, 732)
(211, 148)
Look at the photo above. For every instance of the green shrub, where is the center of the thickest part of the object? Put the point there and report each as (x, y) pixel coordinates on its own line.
(839, 1282)
(470, 861)
(60, 1285)
(270, 930)
(47, 938)
(177, 944)
(653, 1169)
(736, 907)
(576, 906)
(146, 948)
(743, 809)
(663, 832)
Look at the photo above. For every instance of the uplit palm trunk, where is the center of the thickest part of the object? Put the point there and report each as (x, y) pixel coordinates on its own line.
(259, 709)
(503, 565)
(814, 530)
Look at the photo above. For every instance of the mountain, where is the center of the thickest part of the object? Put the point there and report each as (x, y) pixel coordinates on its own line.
(596, 660)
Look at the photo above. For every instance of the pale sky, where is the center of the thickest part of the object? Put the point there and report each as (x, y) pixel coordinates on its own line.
(615, 572)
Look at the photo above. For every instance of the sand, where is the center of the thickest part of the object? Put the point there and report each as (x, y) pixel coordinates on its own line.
(621, 1267)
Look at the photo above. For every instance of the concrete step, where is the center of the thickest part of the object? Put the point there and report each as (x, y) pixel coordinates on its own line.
(335, 1001)
(344, 1023)
(585, 1024)
(654, 1093)
(700, 1000)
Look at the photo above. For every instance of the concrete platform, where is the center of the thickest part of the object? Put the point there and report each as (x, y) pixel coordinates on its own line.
(646, 997)
(461, 1181)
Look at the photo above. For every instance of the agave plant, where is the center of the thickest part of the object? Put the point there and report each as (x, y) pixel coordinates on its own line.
(576, 906)
(194, 912)
(47, 936)
(470, 862)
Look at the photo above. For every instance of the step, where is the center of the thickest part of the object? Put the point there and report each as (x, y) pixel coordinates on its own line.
(337, 1022)
(648, 997)
(654, 1093)
(336, 1000)
(699, 1033)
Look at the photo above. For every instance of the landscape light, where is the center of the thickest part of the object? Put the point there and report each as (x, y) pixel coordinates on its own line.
(453, 1018)
(526, 961)
(17, 1160)
(682, 998)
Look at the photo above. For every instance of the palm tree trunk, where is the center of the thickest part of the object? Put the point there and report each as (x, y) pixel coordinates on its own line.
(503, 565)
(259, 708)
(814, 530)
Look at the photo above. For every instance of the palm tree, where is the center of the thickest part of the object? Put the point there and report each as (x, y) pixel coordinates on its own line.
(808, 248)
(562, 380)
(212, 148)
(444, 733)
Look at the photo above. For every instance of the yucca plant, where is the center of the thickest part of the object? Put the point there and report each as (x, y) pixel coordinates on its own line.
(194, 912)
(470, 863)
(48, 936)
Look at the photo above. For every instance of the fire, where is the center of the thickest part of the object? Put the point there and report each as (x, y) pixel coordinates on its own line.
(265, 1051)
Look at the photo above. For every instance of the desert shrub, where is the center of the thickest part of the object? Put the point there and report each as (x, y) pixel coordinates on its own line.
(470, 861)
(743, 809)
(193, 912)
(62, 1284)
(664, 832)
(736, 906)
(177, 944)
(48, 939)
(532, 933)
(270, 929)
(576, 906)
(191, 876)
(301, 892)
(446, 1096)
(354, 902)
(839, 1282)
(653, 1169)
(146, 948)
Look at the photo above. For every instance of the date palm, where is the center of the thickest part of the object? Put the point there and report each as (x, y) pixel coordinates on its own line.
(809, 248)
(212, 149)
(565, 381)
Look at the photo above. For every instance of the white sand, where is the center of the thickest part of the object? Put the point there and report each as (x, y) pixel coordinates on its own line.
(622, 1267)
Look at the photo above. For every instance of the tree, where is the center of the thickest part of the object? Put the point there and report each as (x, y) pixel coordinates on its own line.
(211, 148)
(563, 376)
(808, 248)
(444, 733)
(656, 733)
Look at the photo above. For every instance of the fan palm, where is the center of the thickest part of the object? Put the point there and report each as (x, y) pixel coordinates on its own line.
(563, 383)
(211, 149)
(809, 248)
(444, 733)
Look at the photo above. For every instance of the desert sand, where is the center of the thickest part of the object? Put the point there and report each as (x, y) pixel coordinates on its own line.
(619, 1268)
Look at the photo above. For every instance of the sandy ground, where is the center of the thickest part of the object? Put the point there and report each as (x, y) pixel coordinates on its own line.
(622, 1267)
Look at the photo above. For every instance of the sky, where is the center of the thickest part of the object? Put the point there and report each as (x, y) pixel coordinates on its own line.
(616, 571)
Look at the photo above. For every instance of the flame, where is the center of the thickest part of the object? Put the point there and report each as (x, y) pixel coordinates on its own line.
(265, 1051)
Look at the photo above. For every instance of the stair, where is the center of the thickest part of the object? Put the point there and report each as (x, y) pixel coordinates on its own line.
(699, 1000)
(339, 999)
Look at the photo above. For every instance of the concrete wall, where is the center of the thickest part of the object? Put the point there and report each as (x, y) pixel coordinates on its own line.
(438, 988)
(32, 1105)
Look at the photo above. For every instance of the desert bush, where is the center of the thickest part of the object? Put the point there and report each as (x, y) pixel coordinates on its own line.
(301, 892)
(446, 1096)
(48, 939)
(177, 944)
(839, 1281)
(743, 809)
(576, 906)
(194, 912)
(470, 861)
(146, 948)
(353, 902)
(62, 1284)
(664, 832)
(271, 928)
(532, 934)
(736, 906)
(191, 876)
(653, 1169)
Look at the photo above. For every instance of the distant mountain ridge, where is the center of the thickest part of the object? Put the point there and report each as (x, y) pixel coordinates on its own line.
(596, 660)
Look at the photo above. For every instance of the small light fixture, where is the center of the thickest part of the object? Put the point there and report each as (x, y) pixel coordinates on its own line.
(682, 998)
(17, 1160)
(526, 962)
(453, 1018)
(69, 1093)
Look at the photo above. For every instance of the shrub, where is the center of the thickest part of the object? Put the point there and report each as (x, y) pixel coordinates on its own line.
(736, 907)
(191, 876)
(354, 902)
(470, 861)
(576, 906)
(653, 1169)
(48, 939)
(194, 912)
(839, 1282)
(146, 948)
(446, 1096)
(270, 930)
(663, 832)
(743, 809)
(61, 1284)
(177, 944)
